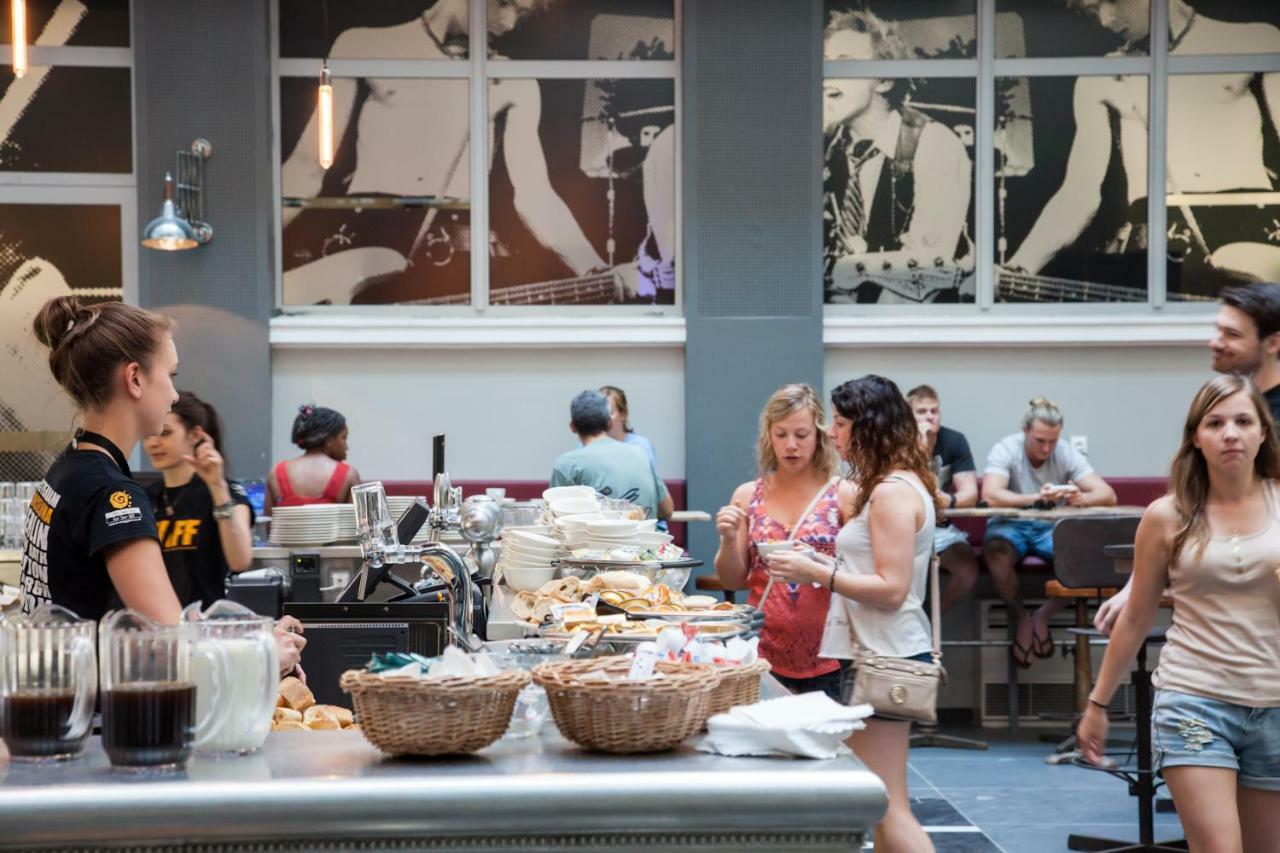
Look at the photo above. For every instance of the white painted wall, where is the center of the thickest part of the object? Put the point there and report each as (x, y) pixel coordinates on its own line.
(1129, 401)
(506, 412)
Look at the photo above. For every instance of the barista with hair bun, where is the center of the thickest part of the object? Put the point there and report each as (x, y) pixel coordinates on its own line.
(320, 475)
(91, 541)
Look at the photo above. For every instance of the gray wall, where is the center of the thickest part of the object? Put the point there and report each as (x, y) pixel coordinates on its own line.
(202, 69)
(752, 229)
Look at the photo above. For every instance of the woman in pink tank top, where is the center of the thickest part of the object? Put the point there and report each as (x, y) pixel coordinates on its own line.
(1215, 540)
(794, 497)
(320, 475)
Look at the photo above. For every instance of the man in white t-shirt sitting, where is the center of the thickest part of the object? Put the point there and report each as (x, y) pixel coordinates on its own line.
(1033, 468)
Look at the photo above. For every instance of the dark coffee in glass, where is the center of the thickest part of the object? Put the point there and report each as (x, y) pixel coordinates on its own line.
(38, 723)
(149, 724)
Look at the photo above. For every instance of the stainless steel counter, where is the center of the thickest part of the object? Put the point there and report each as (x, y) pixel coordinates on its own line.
(332, 789)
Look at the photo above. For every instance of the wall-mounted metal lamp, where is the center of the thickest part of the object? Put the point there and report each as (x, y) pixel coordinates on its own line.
(181, 224)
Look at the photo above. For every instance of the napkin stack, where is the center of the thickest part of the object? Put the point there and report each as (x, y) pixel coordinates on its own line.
(810, 725)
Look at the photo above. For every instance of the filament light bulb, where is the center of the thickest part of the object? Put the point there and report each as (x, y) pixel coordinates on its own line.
(324, 107)
(19, 30)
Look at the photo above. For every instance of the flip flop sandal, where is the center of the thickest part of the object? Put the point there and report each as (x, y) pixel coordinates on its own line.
(1043, 647)
(1022, 655)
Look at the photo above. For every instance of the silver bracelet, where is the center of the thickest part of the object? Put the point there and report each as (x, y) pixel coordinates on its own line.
(222, 512)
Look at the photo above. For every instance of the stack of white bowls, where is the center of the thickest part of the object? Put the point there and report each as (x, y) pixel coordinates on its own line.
(525, 560)
(623, 533)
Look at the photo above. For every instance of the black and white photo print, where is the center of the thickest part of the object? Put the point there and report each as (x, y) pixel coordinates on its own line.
(581, 29)
(73, 23)
(924, 29)
(1071, 189)
(582, 192)
(389, 221)
(377, 29)
(66, 119)
(38, 261)
(897, 200)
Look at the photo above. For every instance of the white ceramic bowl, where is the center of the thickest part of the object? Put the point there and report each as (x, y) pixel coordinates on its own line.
(611, 527)
(527, 579)
(532, 540)
(556, 493)
(574, 505)
(652, 540)
(767, 548)
(649, 525)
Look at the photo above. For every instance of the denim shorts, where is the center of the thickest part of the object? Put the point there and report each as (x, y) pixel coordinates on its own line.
(1026, 537)
(828, 682)
(1192, 731)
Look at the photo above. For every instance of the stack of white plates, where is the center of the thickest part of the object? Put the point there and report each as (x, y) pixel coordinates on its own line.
(526, 559)
(318, 524)
(615, 533)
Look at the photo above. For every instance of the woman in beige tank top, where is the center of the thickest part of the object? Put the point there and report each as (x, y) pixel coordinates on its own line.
(1215, 539)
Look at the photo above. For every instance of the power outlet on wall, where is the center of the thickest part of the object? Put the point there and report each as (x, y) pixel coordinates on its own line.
(1080, 443)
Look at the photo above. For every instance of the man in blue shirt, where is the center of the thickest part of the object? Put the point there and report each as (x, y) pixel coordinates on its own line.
(614, 469)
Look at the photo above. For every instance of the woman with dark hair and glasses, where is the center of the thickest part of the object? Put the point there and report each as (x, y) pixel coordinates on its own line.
(880, 574)
(321, 474)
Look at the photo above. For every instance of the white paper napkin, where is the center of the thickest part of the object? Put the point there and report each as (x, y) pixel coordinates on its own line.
(810, 725)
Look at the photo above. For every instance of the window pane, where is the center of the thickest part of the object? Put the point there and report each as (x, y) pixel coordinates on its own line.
(48, 117)
(1071, 187)
(72, 23)
(38, 262)
(1224, 26)
(582, 192)
(1072, 27)
(897, 195)
(389, 222)
(1223, 162)
(387, 29)
(925, 29)
(581, 29)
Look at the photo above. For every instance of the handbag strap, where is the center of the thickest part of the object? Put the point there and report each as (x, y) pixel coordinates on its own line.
(795, 528)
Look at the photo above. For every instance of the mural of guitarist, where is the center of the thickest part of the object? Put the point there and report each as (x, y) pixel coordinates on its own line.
(390, 221)
(1089, 241)
(884, 238)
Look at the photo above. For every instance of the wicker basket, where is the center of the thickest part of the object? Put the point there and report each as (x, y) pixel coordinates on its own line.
(739, 685)
(444, 716)
(627, 716)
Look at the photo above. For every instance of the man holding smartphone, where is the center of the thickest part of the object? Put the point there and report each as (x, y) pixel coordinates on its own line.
(1033, 469)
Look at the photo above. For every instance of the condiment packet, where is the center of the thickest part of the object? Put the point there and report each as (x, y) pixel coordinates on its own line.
(642, 667)
(455, 662)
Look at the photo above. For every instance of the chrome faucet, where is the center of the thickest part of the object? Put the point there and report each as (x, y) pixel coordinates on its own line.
(459, 590)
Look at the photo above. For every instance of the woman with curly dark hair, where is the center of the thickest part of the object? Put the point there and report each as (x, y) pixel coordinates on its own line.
(881, 570)
(321, 474)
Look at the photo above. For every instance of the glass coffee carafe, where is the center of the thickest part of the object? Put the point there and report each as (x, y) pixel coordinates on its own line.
(148, 677)
(244, 638)
(48, 682)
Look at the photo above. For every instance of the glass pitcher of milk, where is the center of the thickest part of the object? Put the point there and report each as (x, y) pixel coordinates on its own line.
(244, 639)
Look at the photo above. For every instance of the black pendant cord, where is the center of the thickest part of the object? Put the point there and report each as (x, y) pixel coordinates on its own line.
(106, 444)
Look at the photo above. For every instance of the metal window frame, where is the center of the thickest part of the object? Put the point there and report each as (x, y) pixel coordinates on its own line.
(1158, 67)
(479, 70)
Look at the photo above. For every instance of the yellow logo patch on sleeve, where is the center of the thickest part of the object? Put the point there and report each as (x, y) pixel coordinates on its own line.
(119, 500)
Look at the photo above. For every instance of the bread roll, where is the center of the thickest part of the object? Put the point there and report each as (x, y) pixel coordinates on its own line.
(629, 581)
(288, 726)
(319, 717)
(296, 695)
(341, 714)
(283, 714)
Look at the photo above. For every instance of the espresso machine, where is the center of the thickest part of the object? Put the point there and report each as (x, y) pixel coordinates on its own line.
(444, 607)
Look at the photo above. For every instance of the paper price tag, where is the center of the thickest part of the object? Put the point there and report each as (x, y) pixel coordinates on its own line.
(642, 666)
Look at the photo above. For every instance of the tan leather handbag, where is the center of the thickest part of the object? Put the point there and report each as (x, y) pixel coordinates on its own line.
(901, 688)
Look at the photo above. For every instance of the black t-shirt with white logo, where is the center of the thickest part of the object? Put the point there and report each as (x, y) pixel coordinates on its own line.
(190, 539)
(85, 504)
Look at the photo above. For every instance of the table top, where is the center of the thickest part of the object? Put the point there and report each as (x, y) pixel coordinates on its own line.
(1042, 514)
(681, 516)
(334, 784)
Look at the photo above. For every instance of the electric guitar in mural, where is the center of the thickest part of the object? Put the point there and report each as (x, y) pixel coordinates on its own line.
(911, 277)
(340, 279)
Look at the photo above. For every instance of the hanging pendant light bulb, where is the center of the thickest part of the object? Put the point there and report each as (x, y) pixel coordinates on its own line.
(325, 110)
(19, 30)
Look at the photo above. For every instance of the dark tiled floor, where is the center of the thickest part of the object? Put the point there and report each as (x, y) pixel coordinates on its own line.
(1018, 803)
